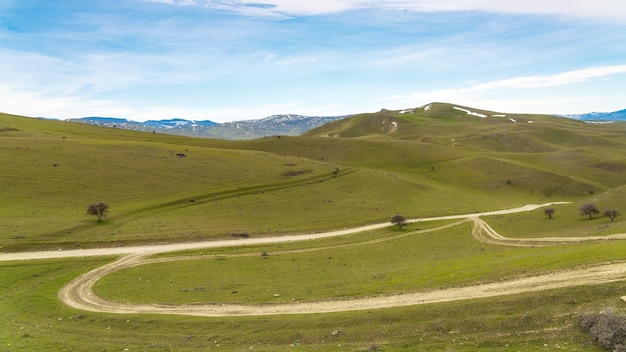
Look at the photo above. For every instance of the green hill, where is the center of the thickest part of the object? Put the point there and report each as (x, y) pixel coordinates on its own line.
(439, 159)
(420, 162)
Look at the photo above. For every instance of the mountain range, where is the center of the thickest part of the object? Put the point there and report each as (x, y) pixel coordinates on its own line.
(601, 116)
(275, 125)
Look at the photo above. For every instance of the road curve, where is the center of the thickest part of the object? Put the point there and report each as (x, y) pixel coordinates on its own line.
(79, 292)
(162, 248)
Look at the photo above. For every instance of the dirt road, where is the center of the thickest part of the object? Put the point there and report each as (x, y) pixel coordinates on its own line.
(240, 242)
(79, 294)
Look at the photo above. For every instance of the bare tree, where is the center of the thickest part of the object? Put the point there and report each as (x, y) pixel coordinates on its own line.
(98, 209)
(549, 212)
(611, 214)
(589, 209)
(399, 220)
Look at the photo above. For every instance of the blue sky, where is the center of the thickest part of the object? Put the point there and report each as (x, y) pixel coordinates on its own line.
(225, 60)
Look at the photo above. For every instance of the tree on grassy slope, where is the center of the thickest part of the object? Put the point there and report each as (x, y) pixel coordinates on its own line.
(611, 214)
(399, 220)
(98, 209)
(589, 209)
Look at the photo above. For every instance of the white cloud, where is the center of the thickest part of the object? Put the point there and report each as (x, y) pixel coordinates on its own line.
(291, 7)
(483, 93)
(35, 72)
(606, 9)
(553, 80)
(615, 9)
(35, 103)
(308, 7)
(538, 81)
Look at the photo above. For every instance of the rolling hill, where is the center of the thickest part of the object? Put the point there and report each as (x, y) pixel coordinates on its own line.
(290, 124)
(361, 168)
(436, 160)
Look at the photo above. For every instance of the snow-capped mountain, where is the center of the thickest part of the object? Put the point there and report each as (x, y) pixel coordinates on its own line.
(178, 123)
(113, 122)
(285, 125)
(601, 116)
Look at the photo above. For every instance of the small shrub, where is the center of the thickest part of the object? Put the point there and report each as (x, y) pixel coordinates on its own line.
(607, 329)
(292, 173)
(373, 347)
(240, 234)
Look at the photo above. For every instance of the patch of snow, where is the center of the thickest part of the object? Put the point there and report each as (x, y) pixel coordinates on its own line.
(598, 122)
(531, 121)
(469, 112)
(512, 120)
(499, 115)
(406, 111)
(428, 107)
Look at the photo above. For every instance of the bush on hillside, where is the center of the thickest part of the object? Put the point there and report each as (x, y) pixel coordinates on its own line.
(608, 329)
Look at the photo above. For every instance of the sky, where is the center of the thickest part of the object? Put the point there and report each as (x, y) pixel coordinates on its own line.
(226, 60)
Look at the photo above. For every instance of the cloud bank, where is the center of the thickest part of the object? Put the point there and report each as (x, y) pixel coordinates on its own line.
(487, 94)
(600, 9)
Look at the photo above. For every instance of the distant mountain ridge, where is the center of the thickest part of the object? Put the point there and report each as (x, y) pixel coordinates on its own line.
(275, 125)
(285, 125)
(601, 116)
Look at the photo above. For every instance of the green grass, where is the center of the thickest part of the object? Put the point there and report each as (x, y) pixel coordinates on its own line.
(566, 222)
(35, 321)
(52, 170)
(438, 162)
(420, 261)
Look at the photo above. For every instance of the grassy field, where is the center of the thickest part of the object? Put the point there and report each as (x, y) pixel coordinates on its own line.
(566, 220)
(345, 174)
(53, 169)
(34, 320)
(418, 261)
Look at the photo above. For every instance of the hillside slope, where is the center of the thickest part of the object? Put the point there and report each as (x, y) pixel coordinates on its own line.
(542, 154)
(434, 160)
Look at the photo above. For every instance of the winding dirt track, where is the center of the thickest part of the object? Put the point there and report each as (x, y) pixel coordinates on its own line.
(79, 292)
